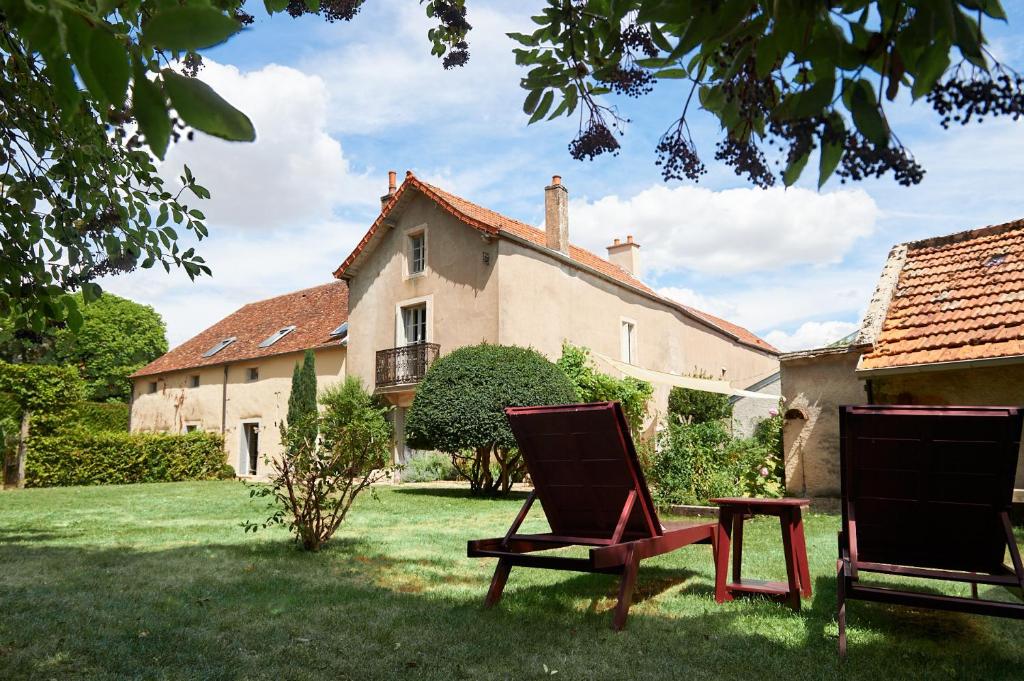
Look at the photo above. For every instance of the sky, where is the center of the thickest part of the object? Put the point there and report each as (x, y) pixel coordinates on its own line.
(336, 106)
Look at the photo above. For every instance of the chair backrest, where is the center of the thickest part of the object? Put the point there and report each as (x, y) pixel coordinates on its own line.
(926, 485)
(583, 465)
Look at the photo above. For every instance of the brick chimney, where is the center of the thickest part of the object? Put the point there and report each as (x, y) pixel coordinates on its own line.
(392, 188)
(626, 255)
(556, 215)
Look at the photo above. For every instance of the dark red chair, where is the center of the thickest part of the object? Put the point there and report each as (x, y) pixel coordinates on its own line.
(585, 472)
(926, 492)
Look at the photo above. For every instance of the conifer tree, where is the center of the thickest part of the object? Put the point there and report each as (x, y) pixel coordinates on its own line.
(302, 400)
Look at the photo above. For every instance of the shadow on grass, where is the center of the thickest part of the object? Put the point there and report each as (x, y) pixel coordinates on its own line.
(267, 610)
(458, 493)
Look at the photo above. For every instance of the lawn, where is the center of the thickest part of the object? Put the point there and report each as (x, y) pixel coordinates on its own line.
(160, 582)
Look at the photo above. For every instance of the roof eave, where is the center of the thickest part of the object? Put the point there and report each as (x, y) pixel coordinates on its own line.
(953, 365)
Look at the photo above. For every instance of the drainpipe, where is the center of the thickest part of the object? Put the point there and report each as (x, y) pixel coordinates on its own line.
(131, 404)
(870, 390)
(224, 410)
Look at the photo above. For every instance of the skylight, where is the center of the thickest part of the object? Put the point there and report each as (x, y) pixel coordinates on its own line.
(341, 331)
(277, 335)
(219, 346)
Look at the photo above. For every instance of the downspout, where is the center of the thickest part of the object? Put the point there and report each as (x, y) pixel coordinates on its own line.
(869, 388)
(224, 411)
(131, 404)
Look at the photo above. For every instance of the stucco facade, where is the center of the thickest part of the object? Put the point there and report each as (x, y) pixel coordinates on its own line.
(226, 401)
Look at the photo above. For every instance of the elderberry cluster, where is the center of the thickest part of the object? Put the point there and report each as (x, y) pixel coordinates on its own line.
(863, 159)
(331, 10)
(960, 99)
(595, 140)
(745, 159)
(639, 38)
(677, 156)
(631, 81)
(458, 55)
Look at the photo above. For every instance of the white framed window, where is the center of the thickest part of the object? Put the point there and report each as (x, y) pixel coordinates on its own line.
(191, 427)
(414, 323)
(627, 341)
(193, 381)
(417, 253)
(252, 374)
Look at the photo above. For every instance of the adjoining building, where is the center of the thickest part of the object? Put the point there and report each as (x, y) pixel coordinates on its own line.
(234, 378)
(945, 326)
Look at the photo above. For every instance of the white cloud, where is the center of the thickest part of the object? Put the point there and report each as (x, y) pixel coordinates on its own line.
(811, 335)
(295, 173)
(727, 232)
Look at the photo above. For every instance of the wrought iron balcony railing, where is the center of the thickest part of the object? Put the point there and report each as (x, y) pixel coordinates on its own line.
(405, 365)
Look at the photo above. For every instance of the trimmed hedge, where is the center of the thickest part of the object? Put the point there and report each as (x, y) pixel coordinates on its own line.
(79, 457)
(103, 416)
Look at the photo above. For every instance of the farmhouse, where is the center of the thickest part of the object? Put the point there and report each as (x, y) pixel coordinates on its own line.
(435, 272)
(945, 326)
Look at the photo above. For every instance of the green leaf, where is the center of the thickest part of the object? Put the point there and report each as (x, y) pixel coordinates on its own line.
(831, 153)
(205, 110)
(866, 115)
(149, 105)
(58, 68)
(930, 66)
(189, 28)
(793, 170)
(530, 105)
(108, 62)
(671, 73)
(274, 6)
(543, 107)
(968, 38)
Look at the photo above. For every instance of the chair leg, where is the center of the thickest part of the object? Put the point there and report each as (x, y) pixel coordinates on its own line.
(626, 587)
(737, 551)
(722, 555)
(841, 598)
(497, 583)
(800, 547)
(792, 567)
(974, 591)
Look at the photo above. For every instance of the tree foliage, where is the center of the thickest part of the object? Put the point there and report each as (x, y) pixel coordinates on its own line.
(458, 408)
(316, 479)
(302, 409)
(594, 386)
(796, 76)
(117, 337)
(698, 406)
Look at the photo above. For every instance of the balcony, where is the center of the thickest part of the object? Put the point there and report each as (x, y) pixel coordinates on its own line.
(405, 365)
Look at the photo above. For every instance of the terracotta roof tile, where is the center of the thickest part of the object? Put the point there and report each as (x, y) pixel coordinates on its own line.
(494, 223)
(314, 312)
(959, 297)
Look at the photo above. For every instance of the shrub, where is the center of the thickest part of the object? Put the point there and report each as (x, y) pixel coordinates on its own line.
(316, 479)
(80, 457)
(593, 386)
(429, 467)
(698, 406)
(102, 416)
(458, 409)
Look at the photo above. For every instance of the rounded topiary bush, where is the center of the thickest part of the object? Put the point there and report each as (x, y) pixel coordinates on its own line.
(459, 406)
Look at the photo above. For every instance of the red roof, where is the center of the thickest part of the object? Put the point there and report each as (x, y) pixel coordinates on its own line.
(959, 298)
(491, 222)
(314, 312)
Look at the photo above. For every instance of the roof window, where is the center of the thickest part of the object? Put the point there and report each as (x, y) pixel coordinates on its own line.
(341, 331)
(277, 335)
(997, 259)
(219, 346)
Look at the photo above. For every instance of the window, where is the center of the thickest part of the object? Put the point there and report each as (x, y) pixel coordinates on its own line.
(276, 336)
(628, 342)
(152, 387)
(193, 381)
(252, 374)
(219, 346)
(414, 322)
(417, 253)
(191, 427)
(341, 331)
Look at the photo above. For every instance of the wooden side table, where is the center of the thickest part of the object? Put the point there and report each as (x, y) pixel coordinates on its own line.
(732, 512)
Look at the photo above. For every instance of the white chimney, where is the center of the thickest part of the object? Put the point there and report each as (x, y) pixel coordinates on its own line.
(556, 215)
(626, 255)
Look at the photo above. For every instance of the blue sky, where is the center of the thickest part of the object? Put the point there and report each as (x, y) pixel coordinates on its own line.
(338, 105)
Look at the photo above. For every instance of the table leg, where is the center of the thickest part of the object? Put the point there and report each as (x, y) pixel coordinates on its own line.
(737, 550)
(800, 546)
(722, 555)
(792, 575)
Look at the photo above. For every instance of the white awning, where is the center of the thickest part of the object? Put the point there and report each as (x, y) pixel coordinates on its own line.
(709, 385)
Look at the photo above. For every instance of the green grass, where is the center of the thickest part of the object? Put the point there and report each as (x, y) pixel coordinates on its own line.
(159, 582)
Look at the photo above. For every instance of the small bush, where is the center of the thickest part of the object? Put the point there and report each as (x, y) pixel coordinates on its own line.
(80, 457)
(429, 467)
(698, 406)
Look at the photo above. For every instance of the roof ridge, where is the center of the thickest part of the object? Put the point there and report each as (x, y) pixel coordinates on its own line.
(966, 235)
(290, 293)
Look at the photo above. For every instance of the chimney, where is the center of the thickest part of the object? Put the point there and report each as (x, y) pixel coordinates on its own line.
(626, 255)
(556, 215)
(392, 188)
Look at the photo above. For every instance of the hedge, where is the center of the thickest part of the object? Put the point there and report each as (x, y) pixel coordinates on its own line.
(79, 457)
(103, 416)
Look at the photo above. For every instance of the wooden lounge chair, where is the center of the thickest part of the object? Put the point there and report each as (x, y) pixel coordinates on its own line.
(586, 475)
(926, 492)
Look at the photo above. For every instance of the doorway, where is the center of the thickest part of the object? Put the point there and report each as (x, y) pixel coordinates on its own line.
(250, 448)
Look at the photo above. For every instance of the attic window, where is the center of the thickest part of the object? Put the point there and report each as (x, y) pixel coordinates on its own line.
(219, 346)
(341, 331)
(997, 259)
(277, 335)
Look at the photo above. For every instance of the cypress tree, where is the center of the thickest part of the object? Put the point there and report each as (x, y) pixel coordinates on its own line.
(302, 400)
